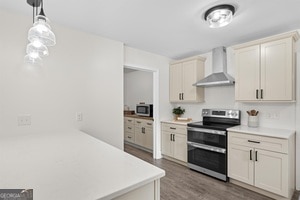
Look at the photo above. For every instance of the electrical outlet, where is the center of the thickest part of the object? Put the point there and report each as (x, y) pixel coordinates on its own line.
(79, 116)
(24, 120)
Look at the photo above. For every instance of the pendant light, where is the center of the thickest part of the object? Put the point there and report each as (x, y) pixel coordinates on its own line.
(219, 16)
(40, 35)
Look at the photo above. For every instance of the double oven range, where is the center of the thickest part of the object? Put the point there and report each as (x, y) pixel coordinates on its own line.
(207, 141)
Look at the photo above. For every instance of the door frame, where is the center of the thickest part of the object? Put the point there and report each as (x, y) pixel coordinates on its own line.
(156, 116)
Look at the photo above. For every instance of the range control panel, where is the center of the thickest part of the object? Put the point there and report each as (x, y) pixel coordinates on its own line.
(222, 113)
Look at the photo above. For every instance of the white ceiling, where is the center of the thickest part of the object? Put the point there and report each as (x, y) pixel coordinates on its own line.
(172, 28)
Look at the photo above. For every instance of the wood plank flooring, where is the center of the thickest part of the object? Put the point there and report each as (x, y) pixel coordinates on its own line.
(181, 183)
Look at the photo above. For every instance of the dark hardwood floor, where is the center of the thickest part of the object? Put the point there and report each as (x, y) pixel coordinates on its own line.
(181, 183)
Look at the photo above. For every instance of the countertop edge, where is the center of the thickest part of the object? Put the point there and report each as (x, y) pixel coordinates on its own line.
(133, 187)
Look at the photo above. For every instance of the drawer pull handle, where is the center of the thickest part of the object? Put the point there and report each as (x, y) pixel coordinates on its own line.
(149, 124)
(129, 137)
(129, 127)
(172, 128)
(130, 120)
(256, 94)
(250, 154)
(254, 141)
(138, 122)
(256, 156)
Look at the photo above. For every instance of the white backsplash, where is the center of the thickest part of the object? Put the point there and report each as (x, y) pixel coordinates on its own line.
(275, 115)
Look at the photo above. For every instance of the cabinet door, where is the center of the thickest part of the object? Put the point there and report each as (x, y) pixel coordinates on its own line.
(175, 89)
(247, 66)
(240, 163)
(277, 74)
(271, 172)
(180, 147)
(148, 138)
(139, 136)
(189, 75)
(166, 144)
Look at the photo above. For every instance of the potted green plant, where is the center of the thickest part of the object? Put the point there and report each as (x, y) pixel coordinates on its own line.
(178, 112)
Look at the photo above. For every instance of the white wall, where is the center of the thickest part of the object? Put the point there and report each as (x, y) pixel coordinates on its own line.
(75, 77)
(138, 87)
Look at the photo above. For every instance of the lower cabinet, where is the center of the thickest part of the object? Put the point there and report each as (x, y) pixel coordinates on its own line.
(139, 131)
(174, 141)
(262, 162)
(144, 133)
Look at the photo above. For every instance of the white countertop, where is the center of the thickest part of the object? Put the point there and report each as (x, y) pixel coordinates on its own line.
(263, 131)
(176, 122)
(70, 165)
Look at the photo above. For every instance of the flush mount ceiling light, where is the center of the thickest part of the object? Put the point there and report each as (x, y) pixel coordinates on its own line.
(219, 16)
(40, 35)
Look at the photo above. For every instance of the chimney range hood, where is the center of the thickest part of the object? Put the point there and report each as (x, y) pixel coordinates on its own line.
(219, 67)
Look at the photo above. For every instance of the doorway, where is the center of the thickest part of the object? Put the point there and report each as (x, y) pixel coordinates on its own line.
(152, 98)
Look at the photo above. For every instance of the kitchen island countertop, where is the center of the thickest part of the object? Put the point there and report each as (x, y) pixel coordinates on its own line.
(70, 165)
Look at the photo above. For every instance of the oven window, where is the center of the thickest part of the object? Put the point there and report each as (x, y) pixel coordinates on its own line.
(207, 138)
(207, 159)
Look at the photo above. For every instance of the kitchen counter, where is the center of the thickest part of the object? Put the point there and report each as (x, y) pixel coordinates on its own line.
(139, 117)
(71, 165)
(177, 122)
(263, 131)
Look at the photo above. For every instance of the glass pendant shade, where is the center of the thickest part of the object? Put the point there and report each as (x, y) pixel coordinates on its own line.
(37, 47)
(41, 31)
(219, 16)
(33, 58)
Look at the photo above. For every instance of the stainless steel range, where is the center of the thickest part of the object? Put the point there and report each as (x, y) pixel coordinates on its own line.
(207, 141)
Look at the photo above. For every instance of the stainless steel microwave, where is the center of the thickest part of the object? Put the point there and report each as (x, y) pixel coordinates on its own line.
(144, 110)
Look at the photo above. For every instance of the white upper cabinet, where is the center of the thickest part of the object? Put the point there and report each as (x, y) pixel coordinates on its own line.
(265, 69)
(183, 74)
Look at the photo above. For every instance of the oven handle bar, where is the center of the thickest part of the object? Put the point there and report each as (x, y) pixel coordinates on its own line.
(206, 147)
(203, 130)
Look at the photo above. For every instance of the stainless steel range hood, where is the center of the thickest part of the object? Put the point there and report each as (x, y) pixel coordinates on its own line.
(219, 66)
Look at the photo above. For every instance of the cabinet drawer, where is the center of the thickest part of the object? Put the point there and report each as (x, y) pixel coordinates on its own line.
(174, 128)
(129, 137)
(129, 128)
(143, 123)
(260, 142)
(128, 120)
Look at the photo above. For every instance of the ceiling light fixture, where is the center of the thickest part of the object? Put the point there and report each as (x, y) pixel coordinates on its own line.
(40, 35)
(219, 16)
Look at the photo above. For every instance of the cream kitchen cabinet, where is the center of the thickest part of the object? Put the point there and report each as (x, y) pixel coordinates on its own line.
(265, 69)
(174, 141)
(183, 74)
(264, 162)
(143, 133)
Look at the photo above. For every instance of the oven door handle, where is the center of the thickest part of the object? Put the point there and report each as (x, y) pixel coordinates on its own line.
(206, 147)
(203, 130)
